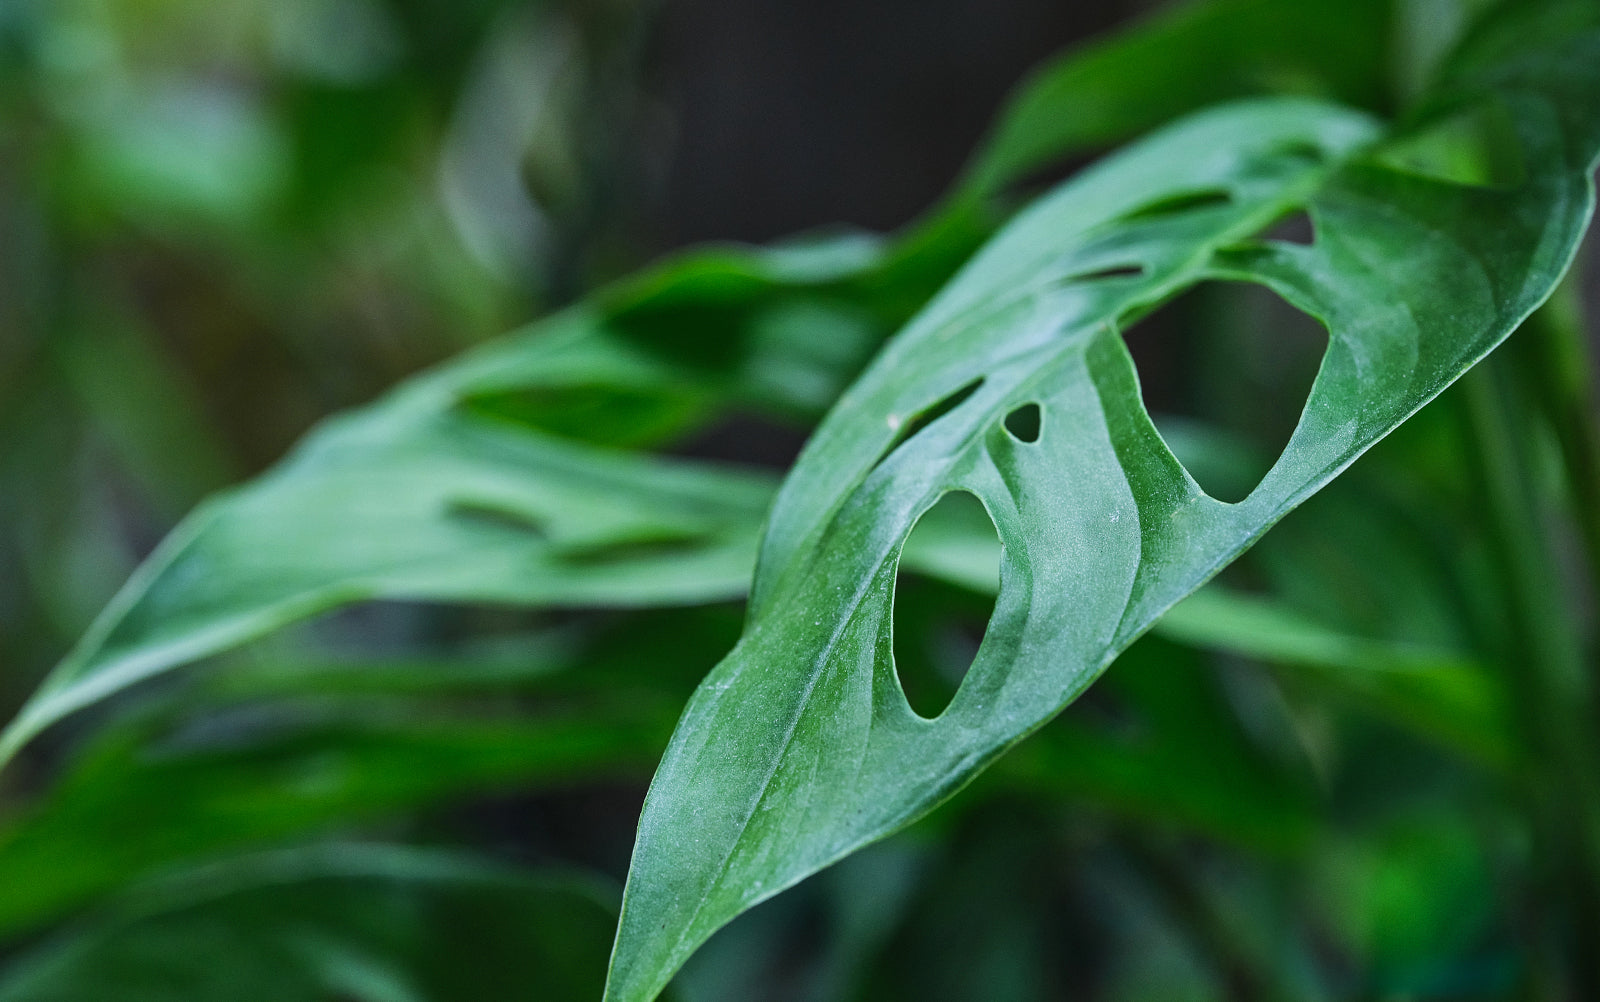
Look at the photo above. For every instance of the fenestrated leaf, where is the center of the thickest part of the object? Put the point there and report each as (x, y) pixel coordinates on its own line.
(779, 330)
(800, 746)
(412, 500)
(486, 480)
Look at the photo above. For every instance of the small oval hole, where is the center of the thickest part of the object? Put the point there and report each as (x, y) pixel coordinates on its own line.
(943, 599)
(1114, 271)
(1025, 422)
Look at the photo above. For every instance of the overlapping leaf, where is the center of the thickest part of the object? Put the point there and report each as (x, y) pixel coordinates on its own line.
(427, 495)
(800, 746)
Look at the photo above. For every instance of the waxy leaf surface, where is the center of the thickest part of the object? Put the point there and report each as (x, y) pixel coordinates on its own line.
(800, 747)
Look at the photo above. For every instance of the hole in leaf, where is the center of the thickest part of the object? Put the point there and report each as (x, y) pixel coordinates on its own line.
(1114, 271)
(1295, 228)
(1172, 205)
(494, 517)
(943, 598)
(928, 415)
(1475, 146)
(1025, 422)
(1224, 370)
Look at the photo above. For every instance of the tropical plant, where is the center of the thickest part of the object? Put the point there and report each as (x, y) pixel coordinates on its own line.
(1351, 758)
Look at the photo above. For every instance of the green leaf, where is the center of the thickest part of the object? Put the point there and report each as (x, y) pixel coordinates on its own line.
(269, 750)
(800, 746)
(338, 921)
(413, 500)
(383, 502)
(133, 806)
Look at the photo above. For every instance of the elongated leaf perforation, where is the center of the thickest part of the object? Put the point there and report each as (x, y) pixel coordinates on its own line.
(1307, 153)
(602, 415)
(1174, 205)
(1111, 271)
(938, 629)
(905, 428)
(499, 518)
(629, 551)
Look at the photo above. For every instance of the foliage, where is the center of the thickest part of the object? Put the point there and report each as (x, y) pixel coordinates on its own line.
(1359, 762)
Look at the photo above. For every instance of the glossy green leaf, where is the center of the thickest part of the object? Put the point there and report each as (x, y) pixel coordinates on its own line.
(338, 921)
(800, 746)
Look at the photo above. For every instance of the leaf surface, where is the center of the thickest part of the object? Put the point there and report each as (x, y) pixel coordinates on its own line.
(800, 747)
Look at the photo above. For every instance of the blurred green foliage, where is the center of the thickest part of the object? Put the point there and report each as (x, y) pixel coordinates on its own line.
(1344, 774)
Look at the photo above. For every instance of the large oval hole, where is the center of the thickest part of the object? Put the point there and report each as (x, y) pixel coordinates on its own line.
(1225, 370)
(943, 598)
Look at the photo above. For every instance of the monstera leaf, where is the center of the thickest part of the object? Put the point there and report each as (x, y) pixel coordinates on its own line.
(497, 477)
(1014, 385)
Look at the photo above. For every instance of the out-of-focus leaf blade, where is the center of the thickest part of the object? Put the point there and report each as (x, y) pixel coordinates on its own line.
(338, 921)
(1170, 754)
(1186, 58)
(410, 501)
(131, 807)
(800, 746)
(268, 750)
(1437, 693)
